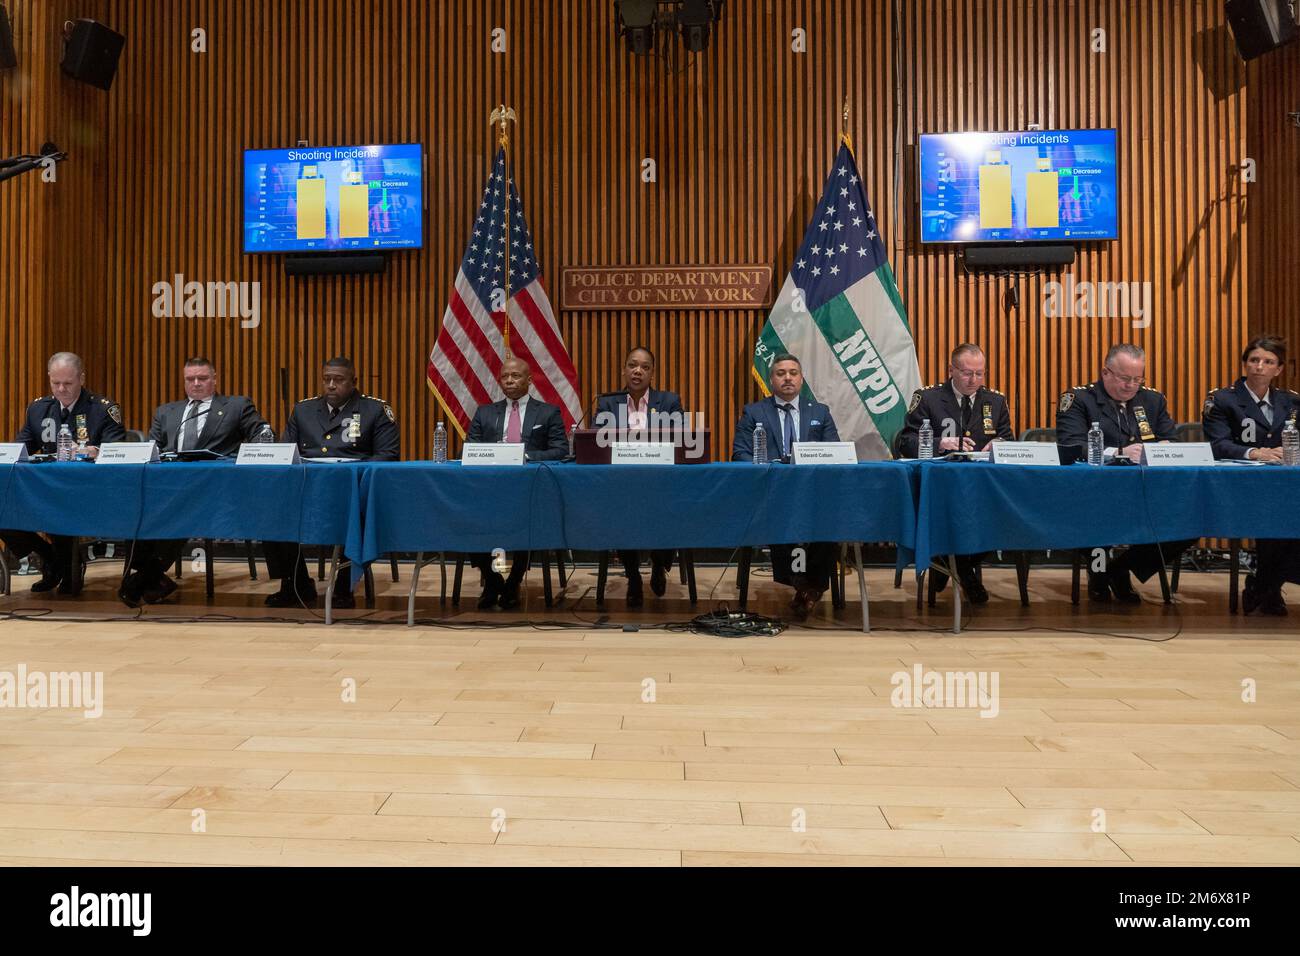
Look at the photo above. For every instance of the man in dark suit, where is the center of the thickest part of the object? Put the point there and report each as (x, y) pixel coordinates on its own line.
(92, 420)
(966, 415)
(787, 417)
(1130, 416)
(340, 422)
(203, 420)
(641, 409)
(1245, 421)
(539, 426)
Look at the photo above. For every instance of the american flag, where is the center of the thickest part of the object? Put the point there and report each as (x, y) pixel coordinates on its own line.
(470, 347)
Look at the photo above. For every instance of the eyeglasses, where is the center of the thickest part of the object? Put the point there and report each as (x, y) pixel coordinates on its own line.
(968, 374)
(1125, 379)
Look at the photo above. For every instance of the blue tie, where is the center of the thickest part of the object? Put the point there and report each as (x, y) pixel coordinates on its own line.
(787, 430)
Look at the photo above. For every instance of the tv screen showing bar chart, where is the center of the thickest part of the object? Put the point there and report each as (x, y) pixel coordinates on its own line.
(333, 199)
(1039, 185)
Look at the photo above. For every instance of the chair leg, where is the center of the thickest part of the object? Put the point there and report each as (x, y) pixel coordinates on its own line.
(4, 574)
(688, 566)
(252, 561)
(392, 563)
(837, 582)
(369, 578)
(1076, 567)
(898, 573)
(1234, 575)
(1164, 585)
(920, 587)
(602, 577)
(415, 584)
(742, 576)
(932, 590)
(320, 565)
(561, 556)
(1022, 576)
(209, 550)
(179, 568)
(455, 584)
(681, 568)
(547, 597)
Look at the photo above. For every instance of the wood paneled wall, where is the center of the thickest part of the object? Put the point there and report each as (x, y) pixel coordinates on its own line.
(742, 136)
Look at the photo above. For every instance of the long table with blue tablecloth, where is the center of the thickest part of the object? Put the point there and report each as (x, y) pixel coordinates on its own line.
(971, 507)
(310, 503)
(419, 506)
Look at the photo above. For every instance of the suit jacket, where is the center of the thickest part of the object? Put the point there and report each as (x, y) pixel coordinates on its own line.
(611, 410)
(989, 418)
(815, 424)
(542, 429)
(373, 437)
(92, 418)
(1080, 407)
(230, 421)
(1234, 424)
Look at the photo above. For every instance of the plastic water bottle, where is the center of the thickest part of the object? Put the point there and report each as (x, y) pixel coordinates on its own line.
(440, 443)
(573, 438)
(264, 435)
(925, 441)
(760, 444)
(1290, 444)
(63, 445)
(1096, 444)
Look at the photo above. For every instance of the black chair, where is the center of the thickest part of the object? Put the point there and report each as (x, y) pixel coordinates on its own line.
(547, 591)
(685, 567)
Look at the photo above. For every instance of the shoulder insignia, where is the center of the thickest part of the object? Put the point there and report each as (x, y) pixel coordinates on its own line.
(916, 401)
(1067, 399)
(114, 411)
(388, 410)
(1209, 404)
(309, 398)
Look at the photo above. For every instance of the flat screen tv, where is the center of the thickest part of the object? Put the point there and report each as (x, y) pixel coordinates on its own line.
(1034, 186)
(333, 199)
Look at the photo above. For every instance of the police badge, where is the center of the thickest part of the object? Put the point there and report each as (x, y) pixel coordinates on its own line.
(1067, 399)
(988, 420)
(83, 434)
(354, 428)
(1144, 426)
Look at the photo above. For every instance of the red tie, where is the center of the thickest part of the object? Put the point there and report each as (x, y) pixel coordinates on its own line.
(513, 427)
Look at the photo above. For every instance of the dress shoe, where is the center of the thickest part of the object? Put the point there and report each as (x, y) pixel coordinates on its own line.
(1122, 587)
(804, 601)
(155, 592)
(1098, 586)
(509, 599)
(131, 591)
(975, 592)
(658, 579)
(1254, 598)
(938, 580)
(51, 578)
(635, 595)
(493, 585)
(285, 597)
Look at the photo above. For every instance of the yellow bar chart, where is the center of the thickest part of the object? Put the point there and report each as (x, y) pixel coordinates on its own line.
(311, 205)
(1041, 191)
(995, 192)
(354, 197)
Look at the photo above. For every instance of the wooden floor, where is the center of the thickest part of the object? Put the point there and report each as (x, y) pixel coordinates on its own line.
(533, 745)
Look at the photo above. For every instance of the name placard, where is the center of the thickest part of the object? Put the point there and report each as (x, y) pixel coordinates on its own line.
(825, 453)
(269, 453)
(11, 452)
(1178, 453)
(641, 453)
(128, 453)
(1025, 453)
(494, 453)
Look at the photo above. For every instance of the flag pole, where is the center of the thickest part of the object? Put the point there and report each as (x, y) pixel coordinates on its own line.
(500, 116)
(844, 125)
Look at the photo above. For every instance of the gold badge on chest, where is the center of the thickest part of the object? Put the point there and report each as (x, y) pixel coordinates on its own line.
(354, 428)
(1144, 426)
(83, 434)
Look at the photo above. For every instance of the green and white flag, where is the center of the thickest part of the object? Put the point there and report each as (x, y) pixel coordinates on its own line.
(839, 311)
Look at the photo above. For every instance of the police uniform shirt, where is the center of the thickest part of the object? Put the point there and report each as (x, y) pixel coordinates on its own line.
(1235, 421)
(92, 419)
(361, 428)
(987, 418)
(1143, 418)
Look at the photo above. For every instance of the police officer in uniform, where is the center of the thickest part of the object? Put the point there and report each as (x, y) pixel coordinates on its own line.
(338, 423)
(1131, 416)
(966, 415)
(92, 420)
(1246, 420)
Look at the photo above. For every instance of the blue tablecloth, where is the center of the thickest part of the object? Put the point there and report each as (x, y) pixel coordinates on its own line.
(419, 506)
(314, 504)
(967, 508)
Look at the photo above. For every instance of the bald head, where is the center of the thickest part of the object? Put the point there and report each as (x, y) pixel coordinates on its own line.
(515, 377)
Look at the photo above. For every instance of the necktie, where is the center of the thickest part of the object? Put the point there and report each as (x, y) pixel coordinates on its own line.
(1267, 409)
(513, 426)
(965, 414)
(190, 430)
(787, 430)
(1123, 419)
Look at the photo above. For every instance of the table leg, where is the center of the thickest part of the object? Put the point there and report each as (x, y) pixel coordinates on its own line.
(415, 583)
(329, 585)
(862, 588)
(956, 593)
